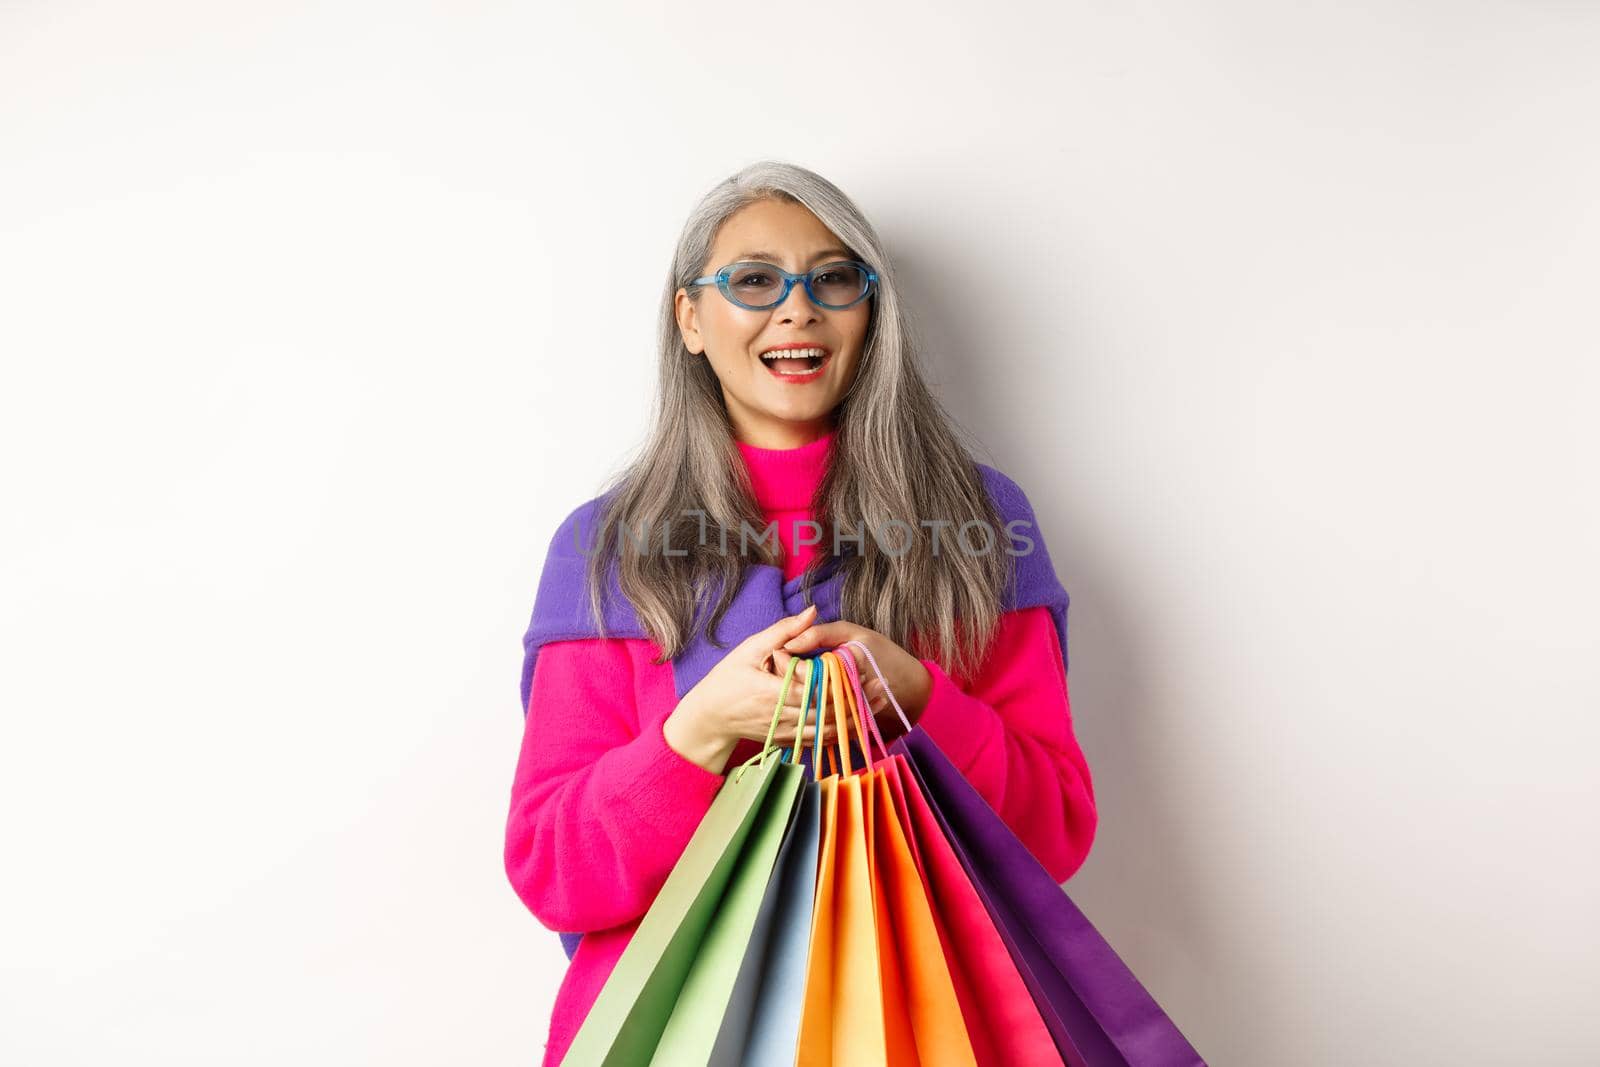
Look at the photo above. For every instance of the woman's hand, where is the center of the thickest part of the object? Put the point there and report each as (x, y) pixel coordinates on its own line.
(908, 679)
(736, 699)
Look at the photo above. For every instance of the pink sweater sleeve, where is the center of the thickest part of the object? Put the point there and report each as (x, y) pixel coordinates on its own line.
(601, 805)
(1010, 732)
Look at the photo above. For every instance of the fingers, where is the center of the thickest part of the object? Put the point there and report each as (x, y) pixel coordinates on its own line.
(762, 643)
(808, 737)
(797, 682)
(788, 713)
(795, 703)
(780, 664)
(822, 635)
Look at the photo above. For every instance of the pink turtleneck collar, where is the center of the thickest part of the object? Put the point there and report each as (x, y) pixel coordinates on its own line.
(784, 479)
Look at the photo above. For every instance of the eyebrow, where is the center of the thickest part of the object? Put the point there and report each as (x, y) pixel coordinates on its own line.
(773, 257)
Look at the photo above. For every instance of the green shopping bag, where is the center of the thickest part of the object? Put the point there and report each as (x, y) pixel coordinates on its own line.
(762, 1024)
(688, 947)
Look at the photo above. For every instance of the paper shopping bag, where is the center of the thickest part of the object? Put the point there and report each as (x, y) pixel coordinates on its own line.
(632, 1010)
(843, 1018)
(1002, 1020)
(1098, 1013)
(922, 1015)
(933, 1009)
(762, 1023)
(692, 1028)
(1002, 1023)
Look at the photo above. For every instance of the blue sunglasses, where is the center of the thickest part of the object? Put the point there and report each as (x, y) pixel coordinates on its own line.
(761, 286)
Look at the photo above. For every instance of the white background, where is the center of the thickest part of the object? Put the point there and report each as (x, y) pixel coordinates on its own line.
(317, 318)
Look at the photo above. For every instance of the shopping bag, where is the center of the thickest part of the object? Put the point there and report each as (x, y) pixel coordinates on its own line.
(922, 1014)
(842, 1021)
(899, 1037)
(1095, 1008)
(762, 1021)
(1098, 1012)
(633, 1008)
(1002, 1022)
(692, 1027)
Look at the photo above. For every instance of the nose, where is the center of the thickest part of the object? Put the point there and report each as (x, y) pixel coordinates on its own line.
(797, 305)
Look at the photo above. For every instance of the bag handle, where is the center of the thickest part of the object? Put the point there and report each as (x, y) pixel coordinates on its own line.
(841, 678)
(830, 764)
(816, 685)
(793, 754)
(835, 679)
(840, 747)
(843, 668)
(767, 751)
(866, 723)
(885, 682)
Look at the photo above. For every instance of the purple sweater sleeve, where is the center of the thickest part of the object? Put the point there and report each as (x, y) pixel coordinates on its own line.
(601, 805)
(1009, 730)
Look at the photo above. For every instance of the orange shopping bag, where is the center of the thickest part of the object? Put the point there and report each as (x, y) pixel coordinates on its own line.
(879, 990)
(921, 1011)
(1000, 1017)
(843, 1021)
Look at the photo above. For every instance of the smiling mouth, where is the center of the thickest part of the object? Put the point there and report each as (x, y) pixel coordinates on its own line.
(802, 363)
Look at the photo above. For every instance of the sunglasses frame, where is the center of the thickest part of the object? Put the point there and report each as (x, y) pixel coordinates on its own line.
(721, 279)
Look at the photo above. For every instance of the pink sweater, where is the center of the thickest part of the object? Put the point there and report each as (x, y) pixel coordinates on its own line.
(602, 807)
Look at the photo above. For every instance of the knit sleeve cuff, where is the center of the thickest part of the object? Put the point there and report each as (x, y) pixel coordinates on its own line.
(961, 725)
(666, 791)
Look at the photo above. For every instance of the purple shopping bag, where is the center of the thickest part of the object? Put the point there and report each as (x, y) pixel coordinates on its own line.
(1098, 1013)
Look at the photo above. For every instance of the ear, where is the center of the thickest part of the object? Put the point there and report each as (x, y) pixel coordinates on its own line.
(688, 317)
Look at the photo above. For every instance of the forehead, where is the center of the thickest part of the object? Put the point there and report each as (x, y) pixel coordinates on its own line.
(785, 234)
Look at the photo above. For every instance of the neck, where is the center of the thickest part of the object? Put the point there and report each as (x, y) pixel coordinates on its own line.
(782, 435)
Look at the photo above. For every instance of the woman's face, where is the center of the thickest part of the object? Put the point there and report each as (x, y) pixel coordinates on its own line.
(767, 408)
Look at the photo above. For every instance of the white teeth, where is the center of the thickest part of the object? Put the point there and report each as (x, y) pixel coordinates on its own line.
(795, 353)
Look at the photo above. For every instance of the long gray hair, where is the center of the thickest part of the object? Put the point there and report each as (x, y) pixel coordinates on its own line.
(896, 455)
